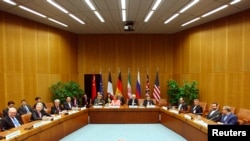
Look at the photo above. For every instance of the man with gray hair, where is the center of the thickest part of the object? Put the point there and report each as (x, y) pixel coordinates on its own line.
(12, 120)
(57, 108)
(228, 118)
(133, 101)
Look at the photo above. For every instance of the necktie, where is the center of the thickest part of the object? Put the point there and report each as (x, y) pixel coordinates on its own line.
(179, 108)
(27, 109)
(133, 102)
(225, 118)
(69, 105)
(16, 123)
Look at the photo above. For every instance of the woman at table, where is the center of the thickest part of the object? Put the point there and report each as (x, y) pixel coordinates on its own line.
(115, 101)
(108, 99)
(39, 112)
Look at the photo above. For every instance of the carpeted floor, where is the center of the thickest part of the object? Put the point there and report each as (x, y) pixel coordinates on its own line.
(124, 132)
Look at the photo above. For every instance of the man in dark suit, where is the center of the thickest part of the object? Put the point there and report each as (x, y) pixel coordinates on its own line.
(39, 113)
(133, 101)
(57, 108)
(24, 108)
(10, 105)
(182, 107)
(228, 118)
(11, 120)
(68, 104)
(196, 108)
(148, 101)
(75, 101)
(85, 101)
(214, 114)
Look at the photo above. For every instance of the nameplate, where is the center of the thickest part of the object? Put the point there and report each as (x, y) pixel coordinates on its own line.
(114, 106)
(165, 108)
(37, 124)
(151, 106)
(72, 112)
(133, 106)
(57, 117)
(174, 111)
(12, 135)
(83, 108)
(187, 116)
(97, 106)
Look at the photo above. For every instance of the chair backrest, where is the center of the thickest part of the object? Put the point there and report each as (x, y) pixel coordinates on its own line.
(204, 106)
(25, 118)
(243, 116)
(163, 102)
(1, 114)
(49, 105)
(233, 109)
(140, 101)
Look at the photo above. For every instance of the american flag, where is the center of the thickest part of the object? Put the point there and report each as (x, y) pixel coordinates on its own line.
(156, 91)
(147, 85)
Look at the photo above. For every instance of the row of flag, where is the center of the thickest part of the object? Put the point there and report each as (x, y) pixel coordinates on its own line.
(156, 91)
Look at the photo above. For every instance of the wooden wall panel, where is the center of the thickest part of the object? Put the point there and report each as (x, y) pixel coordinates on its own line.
(122, 51)
(223, 55)
(32, 57)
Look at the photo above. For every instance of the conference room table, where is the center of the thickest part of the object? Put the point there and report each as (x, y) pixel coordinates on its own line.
(50, 130)
(189, 126)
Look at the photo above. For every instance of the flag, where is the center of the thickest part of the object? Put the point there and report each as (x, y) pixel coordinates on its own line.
(93, 96)
(138, 86)
(156, 92)
(119, 84)
(129, 86)
(147, 85)
(101, 85)
(110, 85)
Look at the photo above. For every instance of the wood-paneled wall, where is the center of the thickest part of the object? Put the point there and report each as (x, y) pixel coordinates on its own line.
(32, 57)
(123, 51)
(217, 55)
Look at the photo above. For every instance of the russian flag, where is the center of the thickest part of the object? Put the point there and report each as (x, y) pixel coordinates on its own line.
(138, 86)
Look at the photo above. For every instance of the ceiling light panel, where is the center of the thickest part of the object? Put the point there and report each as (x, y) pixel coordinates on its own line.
(52, 2)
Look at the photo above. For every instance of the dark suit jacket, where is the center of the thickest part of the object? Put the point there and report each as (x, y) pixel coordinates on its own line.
(35, 115)
(198, 110)
(8, 124)
(5, 112)
(54, 110)
(231, 119)
(77, 102)
(184, 107)
(131, 100)
(145, 102)
(85, 102)
(216, 116)
(66, 106)
(21, 110)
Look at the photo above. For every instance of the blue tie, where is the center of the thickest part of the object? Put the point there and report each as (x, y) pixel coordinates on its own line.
(16, 123)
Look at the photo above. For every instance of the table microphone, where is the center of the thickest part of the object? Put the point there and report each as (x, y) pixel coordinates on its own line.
(214, 117)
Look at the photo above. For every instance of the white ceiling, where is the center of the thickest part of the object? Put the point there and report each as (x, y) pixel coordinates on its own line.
(111, 11)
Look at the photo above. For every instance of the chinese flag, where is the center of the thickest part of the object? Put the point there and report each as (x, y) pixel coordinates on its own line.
(93, 88)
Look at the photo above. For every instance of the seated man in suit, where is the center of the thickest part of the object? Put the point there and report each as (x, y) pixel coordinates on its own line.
(39, 100)
(214, 114)
(120, 97)
(148, 101)
(57, 108)
(68, 104)
(228, 118)
(39, 113)
(133, 101)
(11, 120)
(99, 100)
(116, 101)
(196, 108)
(10, 105)
(85, 101)
(24, 108)
(75, 101)
(182, 107)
